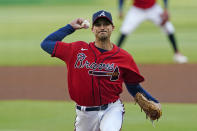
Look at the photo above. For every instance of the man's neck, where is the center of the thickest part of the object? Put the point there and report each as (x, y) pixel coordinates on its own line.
(106, 45)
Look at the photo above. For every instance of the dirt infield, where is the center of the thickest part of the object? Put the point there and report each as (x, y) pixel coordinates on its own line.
(169, 83)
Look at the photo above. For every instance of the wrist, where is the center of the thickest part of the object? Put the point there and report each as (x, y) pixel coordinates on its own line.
(70, 27)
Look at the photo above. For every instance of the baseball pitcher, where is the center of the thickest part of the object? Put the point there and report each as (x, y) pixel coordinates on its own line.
(96, 72)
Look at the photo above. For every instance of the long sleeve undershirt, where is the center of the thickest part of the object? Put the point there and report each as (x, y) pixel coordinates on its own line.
(133, 89)
(49, 42)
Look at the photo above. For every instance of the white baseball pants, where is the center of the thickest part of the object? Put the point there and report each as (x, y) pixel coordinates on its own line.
(105, 120)
(136, 16)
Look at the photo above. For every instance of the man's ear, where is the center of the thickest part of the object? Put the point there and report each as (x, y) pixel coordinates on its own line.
(92, 28)
(113, 27)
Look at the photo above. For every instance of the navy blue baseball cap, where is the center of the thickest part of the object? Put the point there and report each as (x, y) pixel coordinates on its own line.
(102, 14)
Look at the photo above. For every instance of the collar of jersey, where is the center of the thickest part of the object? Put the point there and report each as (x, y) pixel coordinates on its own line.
(115, 49)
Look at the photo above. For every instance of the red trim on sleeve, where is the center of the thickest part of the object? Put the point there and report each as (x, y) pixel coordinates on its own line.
(54, 51)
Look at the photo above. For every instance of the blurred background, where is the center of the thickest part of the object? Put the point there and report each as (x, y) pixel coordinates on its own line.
(33, 86)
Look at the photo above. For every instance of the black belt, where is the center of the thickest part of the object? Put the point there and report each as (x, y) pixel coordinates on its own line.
(97, 108)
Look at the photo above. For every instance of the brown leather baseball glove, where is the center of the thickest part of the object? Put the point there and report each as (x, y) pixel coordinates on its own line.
(152, 109)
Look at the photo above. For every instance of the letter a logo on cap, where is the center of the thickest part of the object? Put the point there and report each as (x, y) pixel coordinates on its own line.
(102, 14)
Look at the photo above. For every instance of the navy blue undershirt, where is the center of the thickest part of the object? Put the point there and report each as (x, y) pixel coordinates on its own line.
(133, 89)
(48, 45)
(101, 50)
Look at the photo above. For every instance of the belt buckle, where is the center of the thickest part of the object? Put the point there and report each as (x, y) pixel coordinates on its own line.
(83, 108)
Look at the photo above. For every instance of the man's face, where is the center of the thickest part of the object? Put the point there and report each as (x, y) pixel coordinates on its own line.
(102, 29)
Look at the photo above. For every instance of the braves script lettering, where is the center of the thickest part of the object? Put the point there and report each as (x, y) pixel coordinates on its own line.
(82, 63)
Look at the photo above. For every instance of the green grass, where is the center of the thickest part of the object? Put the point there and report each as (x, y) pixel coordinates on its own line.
(44, 2)
(60, 116)
(23, 27)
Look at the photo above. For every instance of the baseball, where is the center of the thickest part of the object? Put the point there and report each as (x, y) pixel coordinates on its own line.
(86, 24)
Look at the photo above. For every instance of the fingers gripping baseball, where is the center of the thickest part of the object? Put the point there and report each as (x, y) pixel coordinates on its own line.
(86, 24)
(80, 23)
(76, 24)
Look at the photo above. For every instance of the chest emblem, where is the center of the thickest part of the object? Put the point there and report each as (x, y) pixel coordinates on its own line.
(97, 69)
